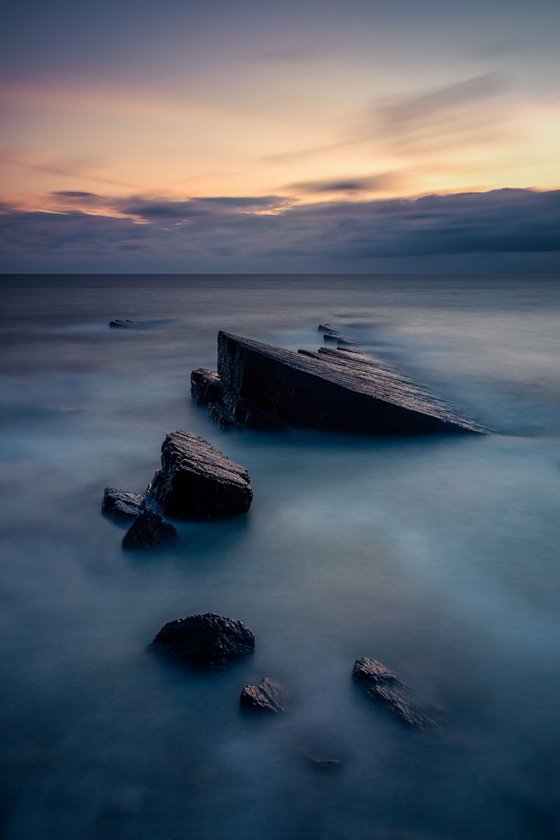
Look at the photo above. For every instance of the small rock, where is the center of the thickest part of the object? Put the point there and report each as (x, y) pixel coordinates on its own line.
(121, 503)
(148, 530)
(205, 640)
(384, 687)
(121, 323)
(268, 696)
(196, 481)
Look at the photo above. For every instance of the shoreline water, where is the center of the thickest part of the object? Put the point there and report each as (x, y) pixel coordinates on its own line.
(436, 557)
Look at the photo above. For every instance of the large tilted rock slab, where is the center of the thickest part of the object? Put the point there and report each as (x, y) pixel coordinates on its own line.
(197, 481)
(205, 640)
(336, 389)
(382, 686)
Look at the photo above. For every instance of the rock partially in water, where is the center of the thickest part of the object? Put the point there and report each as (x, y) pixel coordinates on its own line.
(122, 503)
(268, 696)
(382, 685)
(205, 386)
(122, 323)
(197, 481)
(335, 389)
(324, 763)
(205, 640)
(149, 530)
(221, 415)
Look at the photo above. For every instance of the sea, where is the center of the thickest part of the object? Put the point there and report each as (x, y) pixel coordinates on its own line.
(438, 556)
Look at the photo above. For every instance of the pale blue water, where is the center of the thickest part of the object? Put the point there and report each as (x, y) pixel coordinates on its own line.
(437, 556)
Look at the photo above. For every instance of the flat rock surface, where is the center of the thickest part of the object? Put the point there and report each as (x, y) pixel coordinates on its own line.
(122, 503)
(268, 696)
(205, 640)
(338, 389)
(197, 481)
(149, 530)
(383, 686)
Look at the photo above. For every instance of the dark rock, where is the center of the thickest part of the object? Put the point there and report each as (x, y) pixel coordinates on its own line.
(384, 687)
(121, 323)
(336, 389)
(149, 530)
(205, 386)
(197, 481)
(221, 415)
(268, 696)
(205, 640)
(121, 503)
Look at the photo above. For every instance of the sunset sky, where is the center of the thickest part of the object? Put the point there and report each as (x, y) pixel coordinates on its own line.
(252, 136)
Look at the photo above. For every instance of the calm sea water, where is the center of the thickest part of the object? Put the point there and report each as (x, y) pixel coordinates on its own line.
(437, 556)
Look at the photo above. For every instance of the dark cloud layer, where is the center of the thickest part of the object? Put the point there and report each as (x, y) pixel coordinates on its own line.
(269, 233)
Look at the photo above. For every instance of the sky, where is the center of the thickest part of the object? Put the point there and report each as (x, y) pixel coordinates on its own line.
(359, 136)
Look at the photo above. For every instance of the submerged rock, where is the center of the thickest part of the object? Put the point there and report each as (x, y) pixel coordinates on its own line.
(122, 503)
(268, 696)
(149, 530)
(384, 687)
(337, 389)
(197, 481)
(205, 640)
(325, 763)
(122, 323)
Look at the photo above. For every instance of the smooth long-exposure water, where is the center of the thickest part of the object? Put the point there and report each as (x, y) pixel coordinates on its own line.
(437, 556)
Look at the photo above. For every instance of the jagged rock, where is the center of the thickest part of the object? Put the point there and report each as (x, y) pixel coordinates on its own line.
(384, 687)
(205, 386)
(205, 640)
(196, 481)
(121, 323)
(121, 503)
(336, 389)
(149, 530)
(268, 696)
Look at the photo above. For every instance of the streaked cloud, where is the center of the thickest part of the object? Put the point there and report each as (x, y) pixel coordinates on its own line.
(236, 235)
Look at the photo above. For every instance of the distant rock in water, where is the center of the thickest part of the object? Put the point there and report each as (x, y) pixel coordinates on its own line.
(268, 696)
(121, 503)
(337, 389)
(324, 763)
(122, 323)
(149, 530)
(197, 481)
(205, 640)
(383, 686)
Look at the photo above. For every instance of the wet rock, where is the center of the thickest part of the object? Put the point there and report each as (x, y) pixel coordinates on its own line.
(221, 415)
(196, 481)
(382, 685)
(205, 640)
(268, 696)
(205, 386)
(336, 388)
(149, 530)
(122, 323)
(122, 503)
